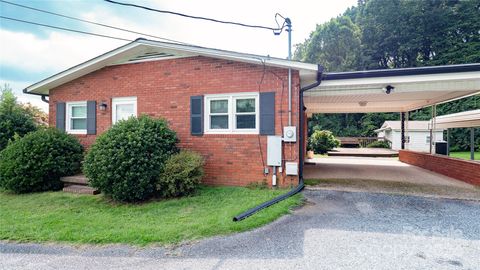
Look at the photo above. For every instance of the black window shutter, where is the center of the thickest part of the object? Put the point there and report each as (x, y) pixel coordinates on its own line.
(267, 113)
(196, 115)
(91, 117)
(60, 116)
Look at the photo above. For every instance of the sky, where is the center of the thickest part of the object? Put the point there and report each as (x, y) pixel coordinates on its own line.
(30, 53)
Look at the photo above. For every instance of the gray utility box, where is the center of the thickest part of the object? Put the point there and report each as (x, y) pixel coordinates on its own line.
(274, 151)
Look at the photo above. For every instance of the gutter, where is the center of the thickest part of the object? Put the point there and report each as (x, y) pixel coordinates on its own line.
(43, 96)
(301, 185)
(394, 72)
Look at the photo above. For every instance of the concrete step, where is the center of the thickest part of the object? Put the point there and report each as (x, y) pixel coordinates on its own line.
(78, 179)
(80, 189)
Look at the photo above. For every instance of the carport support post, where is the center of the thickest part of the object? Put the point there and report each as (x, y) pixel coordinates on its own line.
(402, 119)
(448, 142)
(472, 143)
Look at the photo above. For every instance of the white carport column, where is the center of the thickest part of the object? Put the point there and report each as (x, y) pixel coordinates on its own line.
(407, 135)
(433, 127)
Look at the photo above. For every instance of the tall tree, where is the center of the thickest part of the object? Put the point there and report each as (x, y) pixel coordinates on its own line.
(379, 34)
(335, 44)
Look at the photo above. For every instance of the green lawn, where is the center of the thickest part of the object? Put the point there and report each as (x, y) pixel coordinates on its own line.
(464, 155)
(63, 217)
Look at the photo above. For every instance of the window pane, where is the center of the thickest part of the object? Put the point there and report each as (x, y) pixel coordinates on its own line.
(219, 106)
(246, 105)
(124, 111)
(78, 124)
(79, 111)
(219, 122)
(245, 121)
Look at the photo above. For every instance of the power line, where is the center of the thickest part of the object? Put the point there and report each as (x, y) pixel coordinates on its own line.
(65, 29)
(91, 22)
(276, 30)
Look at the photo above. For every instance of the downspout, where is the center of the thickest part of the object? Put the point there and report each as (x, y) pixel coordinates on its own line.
(44, 99)
(301, 184)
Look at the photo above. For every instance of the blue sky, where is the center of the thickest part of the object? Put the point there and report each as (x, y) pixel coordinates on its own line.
(31, 53)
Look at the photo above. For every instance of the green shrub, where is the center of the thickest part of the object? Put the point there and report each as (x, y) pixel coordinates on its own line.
(38, 160)
(322, 141)
(14, 120)
(182, 174)
(378, 144)
(126, 161)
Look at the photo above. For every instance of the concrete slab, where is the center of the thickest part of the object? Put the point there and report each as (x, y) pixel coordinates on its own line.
(379, 169)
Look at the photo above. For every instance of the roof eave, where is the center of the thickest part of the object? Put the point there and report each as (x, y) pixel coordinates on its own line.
(43, 87)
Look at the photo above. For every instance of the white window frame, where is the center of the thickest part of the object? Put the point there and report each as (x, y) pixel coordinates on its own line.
(232, 112)
(68, 118)
(123, 101)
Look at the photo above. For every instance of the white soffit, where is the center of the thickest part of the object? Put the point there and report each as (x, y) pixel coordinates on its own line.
(411, 92)
(459, 120)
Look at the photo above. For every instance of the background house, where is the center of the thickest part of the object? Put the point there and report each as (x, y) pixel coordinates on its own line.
(417, 135)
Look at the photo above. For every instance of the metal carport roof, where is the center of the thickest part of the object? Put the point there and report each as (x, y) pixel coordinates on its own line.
(413, 88)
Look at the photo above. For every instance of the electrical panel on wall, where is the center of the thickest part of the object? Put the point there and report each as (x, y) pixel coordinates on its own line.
(290, 134)
(274, 151)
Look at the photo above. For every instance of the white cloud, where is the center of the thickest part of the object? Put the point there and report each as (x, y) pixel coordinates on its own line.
(58, 51)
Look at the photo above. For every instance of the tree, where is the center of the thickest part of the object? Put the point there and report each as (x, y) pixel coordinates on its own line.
(378, 34)
(335, 44)
(14, 120)
(39, 116)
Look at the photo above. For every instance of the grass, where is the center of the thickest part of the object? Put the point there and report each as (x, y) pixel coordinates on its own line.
(71, 218)
(464, 155)
(320, 155)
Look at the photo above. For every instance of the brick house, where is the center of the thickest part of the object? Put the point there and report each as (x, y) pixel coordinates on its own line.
(222, 104)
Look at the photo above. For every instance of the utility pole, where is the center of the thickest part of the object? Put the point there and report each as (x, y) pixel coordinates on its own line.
(289, 30)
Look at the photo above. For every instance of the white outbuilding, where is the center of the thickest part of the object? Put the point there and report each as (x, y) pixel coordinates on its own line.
(418, 136)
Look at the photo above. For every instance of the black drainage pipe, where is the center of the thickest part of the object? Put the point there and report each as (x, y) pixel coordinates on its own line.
(301, 184)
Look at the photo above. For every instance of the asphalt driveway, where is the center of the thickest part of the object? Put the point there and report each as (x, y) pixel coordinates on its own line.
(334, 230)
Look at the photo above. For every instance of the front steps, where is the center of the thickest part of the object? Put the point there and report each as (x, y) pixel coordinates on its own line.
(78, 184)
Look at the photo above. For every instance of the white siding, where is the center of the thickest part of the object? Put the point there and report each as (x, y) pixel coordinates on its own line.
(396, 140)
(418, 140)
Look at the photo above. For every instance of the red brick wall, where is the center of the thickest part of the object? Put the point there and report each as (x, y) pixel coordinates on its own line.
(465, 170)
(163, 89)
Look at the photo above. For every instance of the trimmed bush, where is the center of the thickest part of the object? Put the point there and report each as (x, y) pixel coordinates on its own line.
(38, 160)
(322, 141)
(126, 160)
(182, 174)
(379, 144)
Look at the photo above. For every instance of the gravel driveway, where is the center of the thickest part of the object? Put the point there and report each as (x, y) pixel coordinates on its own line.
(334, 230)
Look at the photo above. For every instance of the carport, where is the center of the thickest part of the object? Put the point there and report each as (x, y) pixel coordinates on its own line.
(392, 90)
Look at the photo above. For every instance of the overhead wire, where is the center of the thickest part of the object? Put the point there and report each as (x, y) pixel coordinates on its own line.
(65, 29)
(91, 22)
(276, 30)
